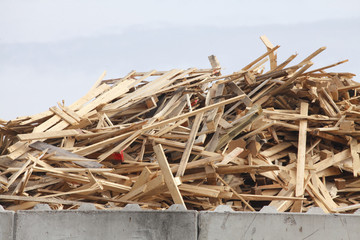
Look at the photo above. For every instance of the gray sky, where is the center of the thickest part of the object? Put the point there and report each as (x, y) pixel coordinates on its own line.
(54, 50)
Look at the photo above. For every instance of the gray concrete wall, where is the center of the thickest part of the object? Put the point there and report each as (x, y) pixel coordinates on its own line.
(272, 225)
(6, 224)
(106, 224)
(174, 223)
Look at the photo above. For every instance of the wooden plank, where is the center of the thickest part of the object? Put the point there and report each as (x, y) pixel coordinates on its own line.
(283, 205)
(98, 81)
(333, 104)
(291, 79)
(143, 178)
(333, 160)
(75, 106)
(301, 154)
(236, 194)
(181, 146)
(231, 156)
(63, 116)
(211, 123)
(272, 56)
(100, 145)
(246, 169)
(156, 185)
(199, 191)
(150, 89)
(215, 64)
(355, 156)
(17, 173)
(41, 146)
(233, 87)
(239, 126)
(260, 58)
(48, 135)
(189, 145)
(168, 177)
(311, 56)
(275, 149)
(70, 112)
(40, 199)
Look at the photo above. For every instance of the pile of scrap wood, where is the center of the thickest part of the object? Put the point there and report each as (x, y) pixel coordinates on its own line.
(286, 138)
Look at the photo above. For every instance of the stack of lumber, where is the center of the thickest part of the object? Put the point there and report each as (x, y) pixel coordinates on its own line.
(286, 137)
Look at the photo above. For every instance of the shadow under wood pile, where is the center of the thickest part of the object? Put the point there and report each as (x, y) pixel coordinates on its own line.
(287, 138)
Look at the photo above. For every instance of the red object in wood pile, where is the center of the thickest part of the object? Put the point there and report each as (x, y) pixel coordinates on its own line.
(119, 156)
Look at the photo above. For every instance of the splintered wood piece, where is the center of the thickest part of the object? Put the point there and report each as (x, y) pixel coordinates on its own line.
(41, 146)
(168, 177)
(232, 155)
(63, 116)
(272, 56)
(233, 87)
(199, 191)
(143, 178)
(291, 79)
(189, 145)
(212, 121)
(123, 145)
(246, 169)
(215, 64)
(355, 156)
(276, 149)
(236, 194)
(283, 205)
(151, 88)
(260, 58)
(48, 135)
(333, 160)
(153, 187)
(301, 154)
(17, 173)
(40, 199)
(251, 116)
(193, 113)
(311, 56)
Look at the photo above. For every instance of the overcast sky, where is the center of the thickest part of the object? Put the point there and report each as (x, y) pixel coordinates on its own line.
(54, 50)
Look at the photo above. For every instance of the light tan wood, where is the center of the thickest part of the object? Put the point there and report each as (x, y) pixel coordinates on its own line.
(252, 147)
(301, 154)
(48, 135)
(355, 156)
(230, 156)
(272, 56)
(189, 145)
(260, 58)
(168, 177)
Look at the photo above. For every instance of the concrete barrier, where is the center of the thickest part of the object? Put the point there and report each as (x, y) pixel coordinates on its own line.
(88, 223)
(175, 223)
(268, 224)
(6, 224)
